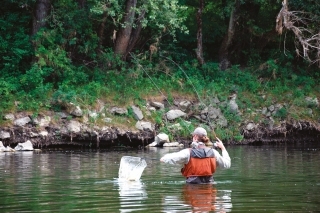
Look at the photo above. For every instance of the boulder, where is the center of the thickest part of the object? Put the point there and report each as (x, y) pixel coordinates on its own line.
(26, 146)
(175, 113)
(153, 144)
(4, 134)
(312, 101)
(143, 125)
(250, 126)
(22, 121)
(232, 104)
(119, 111)
(74, 126)
(9, 116)
(157, 105)
(184, 105)
(160, 139)
(74, 110)
(137, 113)
(42, 121)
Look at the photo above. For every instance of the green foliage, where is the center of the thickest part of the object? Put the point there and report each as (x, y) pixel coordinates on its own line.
(281, 113)
(70, 61)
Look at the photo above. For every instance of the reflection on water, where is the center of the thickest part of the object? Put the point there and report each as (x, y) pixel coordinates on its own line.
(131, 195)
(266, 178)
(199, 198)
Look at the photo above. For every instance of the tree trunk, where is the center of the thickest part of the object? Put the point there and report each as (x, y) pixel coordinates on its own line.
(101, 29)
(124, 34)
(199, 50)
(135, 33)
(224, 54)
(40, 14)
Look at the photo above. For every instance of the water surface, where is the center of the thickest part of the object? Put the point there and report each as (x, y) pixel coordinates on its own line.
(261, 179)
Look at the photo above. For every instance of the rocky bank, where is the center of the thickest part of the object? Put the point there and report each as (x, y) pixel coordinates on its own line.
(75, 126)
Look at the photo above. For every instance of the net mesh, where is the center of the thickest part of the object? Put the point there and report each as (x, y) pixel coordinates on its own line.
(131, 168)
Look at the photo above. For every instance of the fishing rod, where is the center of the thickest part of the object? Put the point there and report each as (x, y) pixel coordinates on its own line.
(198, 96)
(208, 117)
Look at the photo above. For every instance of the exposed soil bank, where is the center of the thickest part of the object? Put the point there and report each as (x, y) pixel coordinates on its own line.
(114, 137)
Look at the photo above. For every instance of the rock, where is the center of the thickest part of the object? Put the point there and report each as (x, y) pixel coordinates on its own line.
(222, 122)
(175, 113)
(43, 121)
(214, 113)
(143, 125)
(161, 138)
(74, 126)
(278, 106)
(93, 115)
(119, 111)
(33, 134)
(232, 104)
(1, 146)
(75, 110)
(184, 105)
(22, 121)
(26, 146)
(271, 123)
(312, 101)
(43, 133)
(9, 116)
(137, 113)
(203, 116)
(271, 108)
(250, 126)
(264, 111)
(172, 144)
(4, 135)
(153, 144)
(151, 109)
(61, 115)
(158, 105)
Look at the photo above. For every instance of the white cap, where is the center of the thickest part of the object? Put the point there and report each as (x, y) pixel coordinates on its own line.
(200, 131)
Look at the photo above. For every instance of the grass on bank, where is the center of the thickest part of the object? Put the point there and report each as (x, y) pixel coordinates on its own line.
(256, 87)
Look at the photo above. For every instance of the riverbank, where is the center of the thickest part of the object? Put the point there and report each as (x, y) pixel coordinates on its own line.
(240, 106)
(137, 126)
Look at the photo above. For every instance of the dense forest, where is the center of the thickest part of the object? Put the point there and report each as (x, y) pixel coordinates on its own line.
(123, 51)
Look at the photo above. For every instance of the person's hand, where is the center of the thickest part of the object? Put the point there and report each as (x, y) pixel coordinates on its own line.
(220, 144)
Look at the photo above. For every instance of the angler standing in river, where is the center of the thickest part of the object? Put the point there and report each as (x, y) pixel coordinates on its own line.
(200, 162)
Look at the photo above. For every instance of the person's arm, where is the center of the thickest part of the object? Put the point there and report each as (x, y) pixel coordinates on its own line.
(223, 160)
(182, 157)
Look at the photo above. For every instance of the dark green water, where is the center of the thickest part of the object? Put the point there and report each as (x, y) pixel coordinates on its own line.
(262, 179)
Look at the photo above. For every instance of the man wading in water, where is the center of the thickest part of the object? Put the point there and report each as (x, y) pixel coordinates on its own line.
(199, 161)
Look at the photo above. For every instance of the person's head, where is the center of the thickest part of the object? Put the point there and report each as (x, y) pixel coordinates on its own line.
(200, 134)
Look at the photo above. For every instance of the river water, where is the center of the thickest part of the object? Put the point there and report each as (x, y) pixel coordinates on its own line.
(264, 178)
